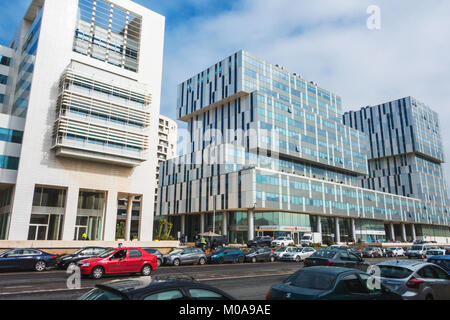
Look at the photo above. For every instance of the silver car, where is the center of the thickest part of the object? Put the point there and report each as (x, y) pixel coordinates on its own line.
(415, 280)
(185, 256)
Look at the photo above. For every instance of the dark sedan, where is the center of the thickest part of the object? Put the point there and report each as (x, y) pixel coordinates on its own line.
(325, 283)
(156, 289)
(336, 258)
(157, 253)
(81, 254)
(259, 254)
(265, 241)
(26, 259)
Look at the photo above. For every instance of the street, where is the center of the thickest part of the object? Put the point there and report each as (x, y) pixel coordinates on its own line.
(243, 281)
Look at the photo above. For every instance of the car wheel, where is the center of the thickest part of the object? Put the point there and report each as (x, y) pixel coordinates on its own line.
(298, 259)
(372, 255)
(176, 262)
(220, 260)
(97, 273)
(40, 266)
(241, 259)
(429, 297)
(146, 270)
(202, 261)
(272, 259)
(254, 260)
(159, 262)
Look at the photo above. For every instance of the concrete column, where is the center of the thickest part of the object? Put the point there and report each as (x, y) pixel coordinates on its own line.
(251, 225)
(202, 223)
(183, 224)
(403, 232)
(70, 216)
(129, 215)
(224, 224)
(413, 231)
(338, 233)
(391, 226)
(110, 225)
(319, 228)
(354, 230)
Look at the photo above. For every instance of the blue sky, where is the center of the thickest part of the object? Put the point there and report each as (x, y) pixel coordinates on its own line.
(326, 41)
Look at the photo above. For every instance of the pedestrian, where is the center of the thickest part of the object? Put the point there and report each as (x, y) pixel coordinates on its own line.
(214, 244)
(84, 237)
(183, 239)
(203, 243)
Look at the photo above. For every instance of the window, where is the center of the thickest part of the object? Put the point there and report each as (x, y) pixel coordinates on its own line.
(135, 253)
(121, 254)
(202, 294)
(165, 296)
(427, 273)
(440, 274)
(312, 280)
(353, 285)
(98, 294)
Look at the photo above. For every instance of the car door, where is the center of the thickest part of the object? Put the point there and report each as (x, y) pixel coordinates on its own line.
(117, 262)
(344, 260)
(134, 261)
(356, 262)
(11, 259)
(29, 258)
(188, 256)
(351, 288)
(428, 275)
(442, 284)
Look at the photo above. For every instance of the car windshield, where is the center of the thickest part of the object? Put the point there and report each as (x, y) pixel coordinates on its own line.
(99, 294)
(281, 250)
(107, 253)
(78, 251)
(395, 272)
(281, 238)
(312, 280)
(220, 251)
(324, 254)
(177, 251)
(416, 247)
(445, 264)
(5, 251)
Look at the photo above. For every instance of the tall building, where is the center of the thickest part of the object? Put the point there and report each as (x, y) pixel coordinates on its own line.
(406, 156)
(80, 115)
(268, 154)
(167, 145)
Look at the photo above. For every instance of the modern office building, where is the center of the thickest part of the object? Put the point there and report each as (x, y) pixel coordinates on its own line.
(167, 145)
(269, 155)
(79, 120)
(406, 156)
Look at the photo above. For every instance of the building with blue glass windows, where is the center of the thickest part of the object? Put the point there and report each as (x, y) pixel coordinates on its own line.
(268, 154)
(405, 158)
(80, 87)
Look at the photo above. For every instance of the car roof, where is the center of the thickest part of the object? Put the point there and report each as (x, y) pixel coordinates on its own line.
(409, 264)
(447, 257)
(331, 270)
(136, 286)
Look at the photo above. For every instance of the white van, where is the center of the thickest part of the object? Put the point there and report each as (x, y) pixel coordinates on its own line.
(418, 251)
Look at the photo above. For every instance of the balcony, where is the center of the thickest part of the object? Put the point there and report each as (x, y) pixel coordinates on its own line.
(69, 148)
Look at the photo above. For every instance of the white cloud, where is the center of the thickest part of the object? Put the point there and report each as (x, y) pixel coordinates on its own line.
(327, 41)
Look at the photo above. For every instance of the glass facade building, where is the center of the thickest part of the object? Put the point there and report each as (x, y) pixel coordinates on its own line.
(264, 141)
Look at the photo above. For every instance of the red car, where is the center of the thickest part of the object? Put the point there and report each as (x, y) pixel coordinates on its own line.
(120, 260)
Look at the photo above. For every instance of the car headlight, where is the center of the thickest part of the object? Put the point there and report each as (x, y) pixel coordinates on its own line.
(87, 264)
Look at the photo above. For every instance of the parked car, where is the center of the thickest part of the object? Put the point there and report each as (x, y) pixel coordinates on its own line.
(418, 251)
(259, 254)
(185, 256)
(117, 261)
(325, 283)
(372, 252)
(298, 254)
(157, 253)
(336, 258)
(265, 241)
(441, 261)
(395, 252)
(26, 259)
(415, 280)
(226, 255)
(407, 250)
(282, 242)
(280, 252)
(84, 253)
(434, 252)
(157, 290)
(355, 251)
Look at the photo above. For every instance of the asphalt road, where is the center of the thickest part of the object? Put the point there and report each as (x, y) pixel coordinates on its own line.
(243, 281)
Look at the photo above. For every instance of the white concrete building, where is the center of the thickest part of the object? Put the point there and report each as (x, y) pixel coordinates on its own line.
(80, 108)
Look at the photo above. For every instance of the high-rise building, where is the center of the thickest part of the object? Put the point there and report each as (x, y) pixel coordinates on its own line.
(406, 155)
(79, 114)
(268, 154)
(167, 145)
